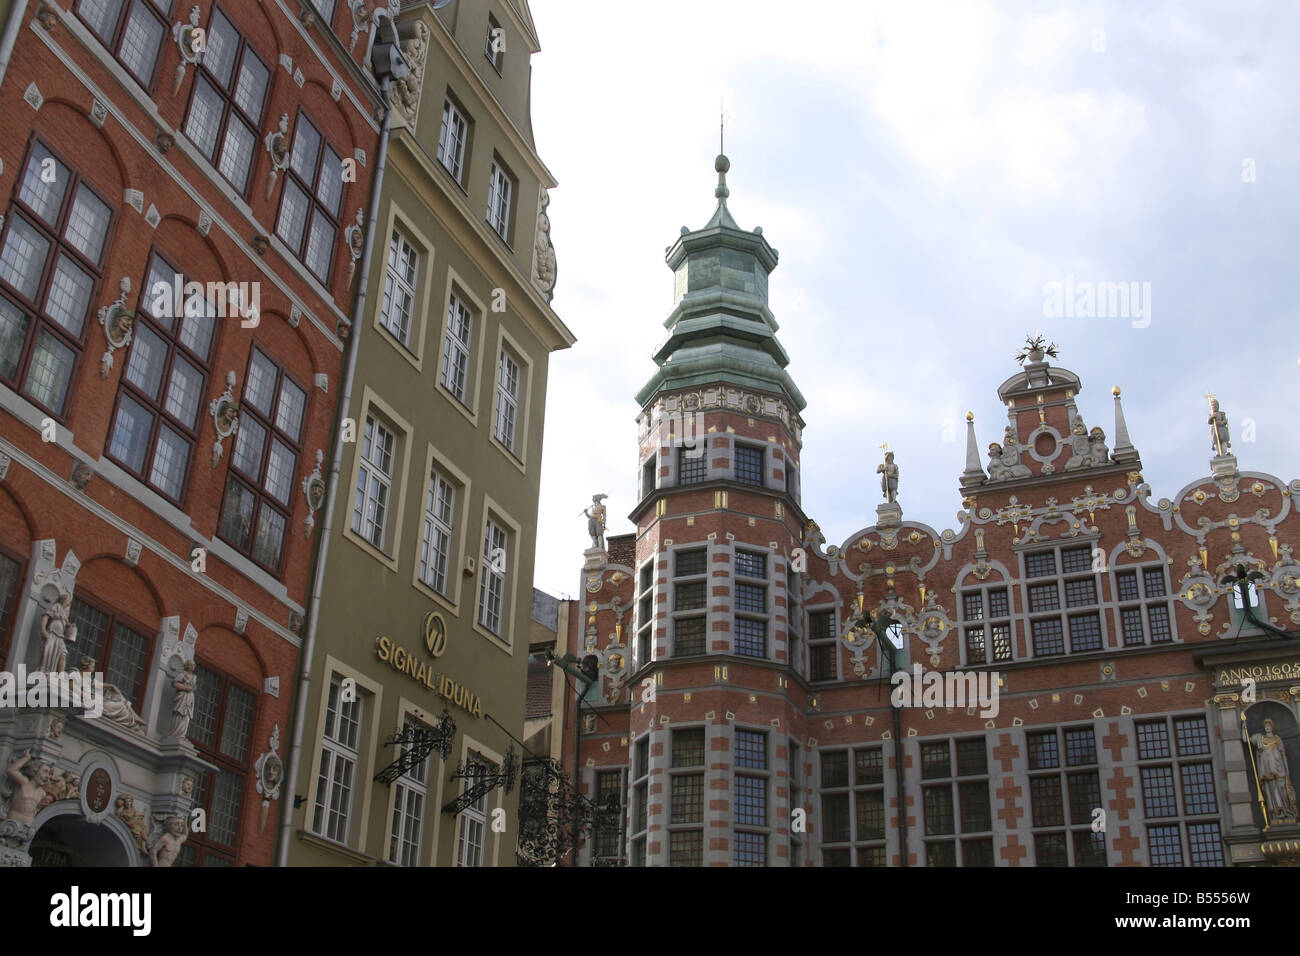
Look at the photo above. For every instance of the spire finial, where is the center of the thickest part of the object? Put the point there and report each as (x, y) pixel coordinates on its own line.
(722, 164)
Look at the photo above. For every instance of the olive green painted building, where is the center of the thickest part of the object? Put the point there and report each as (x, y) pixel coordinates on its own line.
(434, 522)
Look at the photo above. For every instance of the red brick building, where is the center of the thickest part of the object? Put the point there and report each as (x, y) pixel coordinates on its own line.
(744, 716)
(157, 451)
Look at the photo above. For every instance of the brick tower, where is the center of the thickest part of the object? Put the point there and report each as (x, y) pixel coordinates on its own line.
(705, 664)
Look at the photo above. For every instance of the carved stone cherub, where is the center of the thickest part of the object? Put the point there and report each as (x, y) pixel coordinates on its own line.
(165, 845)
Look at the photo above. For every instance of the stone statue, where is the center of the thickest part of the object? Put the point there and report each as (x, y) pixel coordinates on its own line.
(183, 708)
(1004, 459)
(57, 632)
(596, 521)
(1218, 422)
(277, 144)
(166, 844)
(28, 779)
(1081, 445)
(1100, 453)
(1274, 776)
(133, 818)
(116, 706)
(544, 250)
(888, 472)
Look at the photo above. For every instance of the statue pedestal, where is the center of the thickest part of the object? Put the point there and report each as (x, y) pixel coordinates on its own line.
(889, 514)
(10, 857)
(1223, 466)
(594, 559)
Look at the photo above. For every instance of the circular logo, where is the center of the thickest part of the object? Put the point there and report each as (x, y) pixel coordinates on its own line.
(435, 634)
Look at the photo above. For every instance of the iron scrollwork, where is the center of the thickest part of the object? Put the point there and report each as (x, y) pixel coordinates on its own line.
(554, 819)
(482, 780)
(415, 746)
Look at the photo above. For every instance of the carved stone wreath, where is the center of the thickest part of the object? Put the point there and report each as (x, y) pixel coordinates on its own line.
(225, 417)
(118, 323)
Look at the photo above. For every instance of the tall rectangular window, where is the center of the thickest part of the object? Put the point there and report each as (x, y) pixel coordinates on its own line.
(339, 755)
(750, 603)
(986, 624)
(492, 581)
(11, 576)
(609, 830)
(853, 808)
(410, 792)
(222, 730)
(156, 420)
(1143, 598)
(645, 614)
(686, 798)
(495, 48)
(507, 410)
(399, 288)
(374, 483)
(264, 465)
(751, 833)
(690, 605)
(133, 30)
(1063, 798)
(955, 798)
(1178, 792)
(313, 195)
(692, 465)
(749, 465)
(51, 257)
(473, 819)
(226, 103)
(456, 349)
(640, 799)
(823, 653)
(435, 536)
(452, 139)
(500, 190)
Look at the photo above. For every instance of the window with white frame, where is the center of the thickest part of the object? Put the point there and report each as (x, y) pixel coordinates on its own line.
(399, 288)
(492, 581)
(452, 139)
(339, 756)
(495, 48)
(410, 791)
(473, 819)
(374, 482)
(456, 349)
(507, 410)
(435, 537)
(500, 191)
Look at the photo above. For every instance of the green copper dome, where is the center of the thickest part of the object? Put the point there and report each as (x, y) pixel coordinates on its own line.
(720, 328)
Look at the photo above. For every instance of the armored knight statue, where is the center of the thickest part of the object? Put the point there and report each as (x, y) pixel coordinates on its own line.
(1221, 440)
(888, 472)
(596, 521)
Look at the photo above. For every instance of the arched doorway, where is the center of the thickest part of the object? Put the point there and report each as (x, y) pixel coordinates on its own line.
(68, 839)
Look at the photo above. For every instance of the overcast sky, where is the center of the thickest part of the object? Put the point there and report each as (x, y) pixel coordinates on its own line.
(925, 172)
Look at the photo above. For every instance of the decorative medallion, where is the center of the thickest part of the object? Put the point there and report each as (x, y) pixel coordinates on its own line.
(225, 417)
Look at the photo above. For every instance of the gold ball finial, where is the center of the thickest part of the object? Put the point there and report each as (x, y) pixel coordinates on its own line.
(970, 416)
(1115, 391)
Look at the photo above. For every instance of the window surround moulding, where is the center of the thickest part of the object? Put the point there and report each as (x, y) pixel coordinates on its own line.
(407, 708)
(542, 319)
(523, 415)
(459, 540)
(274, 589)
(397, 490)
(181, 142)
(1089, 538)
(400, 222)
(468, 743)
(458, 285)
(328, 667)
(492, 510)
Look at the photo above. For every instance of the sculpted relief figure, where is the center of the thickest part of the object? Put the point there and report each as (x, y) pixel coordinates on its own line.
(166, 845)
(1080, 445)
(28, 779)
(183, 708)
(116, 706)
(1274, 775)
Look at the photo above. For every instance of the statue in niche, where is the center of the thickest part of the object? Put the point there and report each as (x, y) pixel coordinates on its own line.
(1274, 775)
(27, 778)
(888, 472)
(596, 521)
(183, 708)
(58, 632)
(1221, 442)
